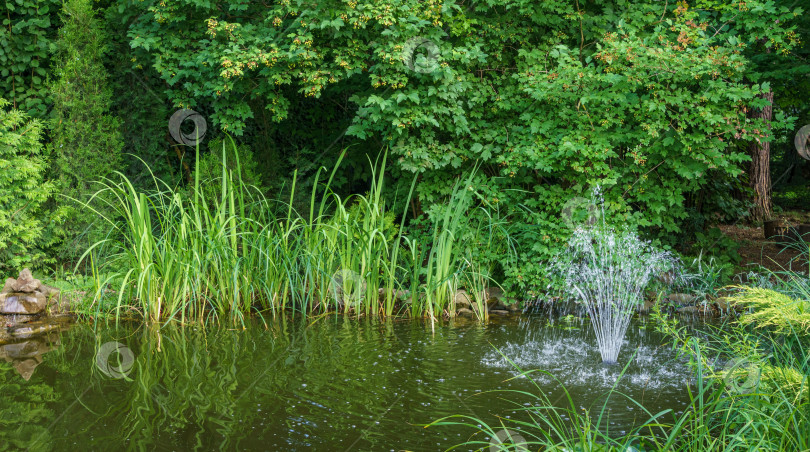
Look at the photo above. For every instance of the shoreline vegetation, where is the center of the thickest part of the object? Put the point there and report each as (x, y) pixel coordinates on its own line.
(191, 257)
(182, 257)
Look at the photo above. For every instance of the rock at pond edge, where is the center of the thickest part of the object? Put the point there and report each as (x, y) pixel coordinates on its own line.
(25, 282)
(22, 303)
(492, 295)
(464, 312)
(462, 299)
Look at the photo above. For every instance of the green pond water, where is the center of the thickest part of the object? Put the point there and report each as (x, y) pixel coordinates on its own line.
(325, 385)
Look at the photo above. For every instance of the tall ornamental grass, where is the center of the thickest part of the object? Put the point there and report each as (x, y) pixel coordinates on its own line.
(171, 255)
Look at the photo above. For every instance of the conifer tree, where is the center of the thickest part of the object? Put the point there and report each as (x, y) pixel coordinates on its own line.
(22, 191)
(86, 141)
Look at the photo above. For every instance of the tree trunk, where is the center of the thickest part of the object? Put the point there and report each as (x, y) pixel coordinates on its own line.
(759, 174)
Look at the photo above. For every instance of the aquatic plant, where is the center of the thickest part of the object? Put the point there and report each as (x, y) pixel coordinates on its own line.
(175, 256)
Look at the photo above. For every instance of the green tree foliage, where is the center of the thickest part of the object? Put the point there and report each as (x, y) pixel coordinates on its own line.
(26, 41)
(22, 190)
(646, 99)
(139, 97)
(86, 142)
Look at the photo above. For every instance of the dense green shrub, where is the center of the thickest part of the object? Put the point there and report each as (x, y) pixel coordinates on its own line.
(717, 248)
(794, 197)
(86, 143)
(22, 190)
(26, 42)
(775, 311)
(649, 100)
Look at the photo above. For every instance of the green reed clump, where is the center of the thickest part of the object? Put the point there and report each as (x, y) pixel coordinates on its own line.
(179, 257)
(220, 254)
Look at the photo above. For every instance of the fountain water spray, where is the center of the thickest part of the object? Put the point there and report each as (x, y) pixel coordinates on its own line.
(607, 271)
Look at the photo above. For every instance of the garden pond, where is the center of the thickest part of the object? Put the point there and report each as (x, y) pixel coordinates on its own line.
(328, 383)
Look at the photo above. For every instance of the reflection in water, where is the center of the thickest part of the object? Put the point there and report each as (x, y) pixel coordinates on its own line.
(26, 407)
(25, 356)
(24, 339)
(332, 384)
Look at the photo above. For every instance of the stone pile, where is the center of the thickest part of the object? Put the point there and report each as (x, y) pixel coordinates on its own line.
(25, 295)
(688, 304)
(494, 302)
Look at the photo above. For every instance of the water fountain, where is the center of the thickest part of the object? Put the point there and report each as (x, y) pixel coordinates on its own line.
(607, 271)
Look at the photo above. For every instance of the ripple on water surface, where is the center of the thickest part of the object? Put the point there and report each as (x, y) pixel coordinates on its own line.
(332, 384)
(572, 357)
